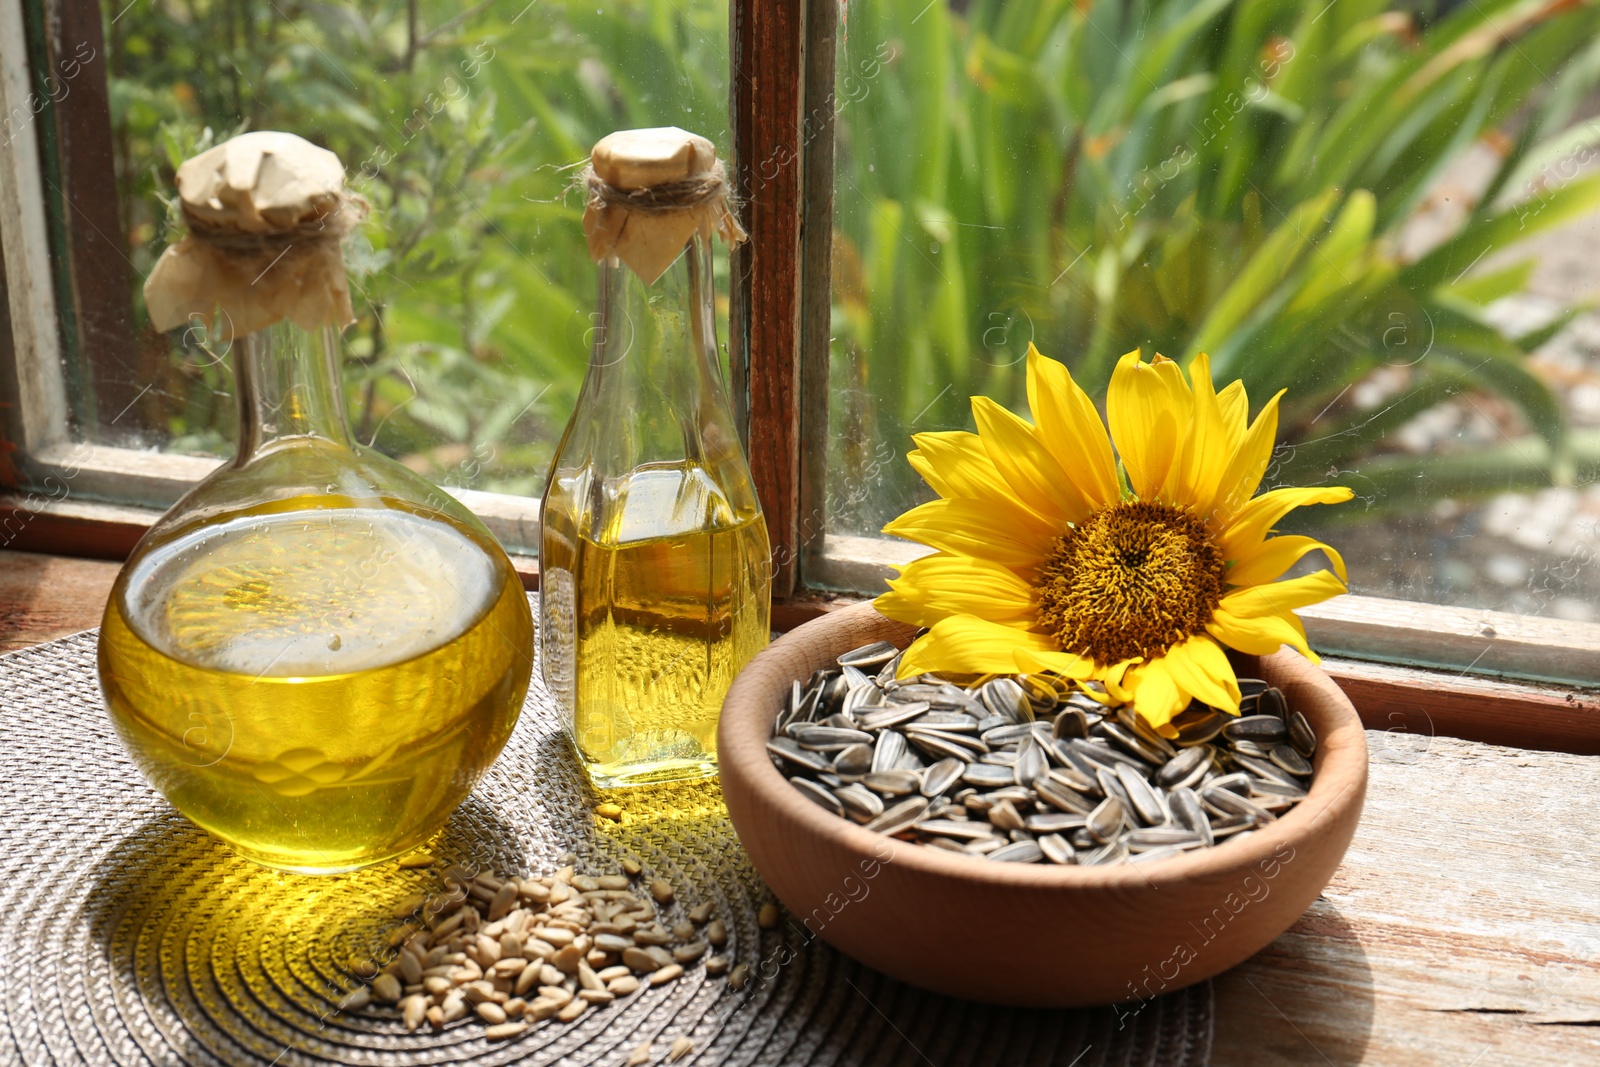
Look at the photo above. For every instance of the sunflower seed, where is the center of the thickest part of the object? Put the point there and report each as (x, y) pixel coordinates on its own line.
(1144, 799)
(892, 715)
(1103, 755)
(830, 738)
(1112, 852)
(1186, 768)
(818, 795)
(1154, 854)
(1198, 728)
(860, 803)
(1229, 825)
(1134, 723)
(955, 829)
(1301, 735)
(1237, 782)
(1018, 852)
(1076, 780)
(1003, 815)
(1227, 802)
(902, 815)
(788, 748)
(1111, 786)
(1055, 822)
(855, 760)
(1056, 849)
(987, 775)
(1059, 796)
(1032, 764)
(1072, 722)
(868, 657)
(1272, 702)
(938, 779)
(888, 750)
(1159, 837)
(1188, 813)
(940, 747)
(1130, 742)
(1262, 729)
(1286, 757)
(891, 783)
(1003, 696)
(1007, 734)
(1264, 769)
(1105, 821)
(1261, 787)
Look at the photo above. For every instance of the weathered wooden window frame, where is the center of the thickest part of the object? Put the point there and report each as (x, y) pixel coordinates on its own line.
(66, 497)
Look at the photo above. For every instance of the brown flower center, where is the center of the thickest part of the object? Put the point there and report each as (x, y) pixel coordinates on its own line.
(1132, 580)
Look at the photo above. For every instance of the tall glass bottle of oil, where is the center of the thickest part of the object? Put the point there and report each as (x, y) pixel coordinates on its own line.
(654, 567)
(316, 653)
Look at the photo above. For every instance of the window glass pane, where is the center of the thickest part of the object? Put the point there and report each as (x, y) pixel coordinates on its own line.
(1386, 208)
(472, 284)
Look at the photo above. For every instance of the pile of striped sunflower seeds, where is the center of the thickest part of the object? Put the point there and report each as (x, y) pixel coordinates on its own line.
(1031, 768)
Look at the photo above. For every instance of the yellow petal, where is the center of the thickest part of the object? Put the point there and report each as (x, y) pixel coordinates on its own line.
(1154, 693)
(1259, 636)
(1247, 463)
(962, 644)
(1066, 423)
(1269, 559)
(1235, 407)
(979, 528)
(954, 464)
(1276, 598)
(1147, 405)
(1203, 449)
(1199, 668)
(1066, 664)
(1026, 465)
(1257, 518)
(940, 585)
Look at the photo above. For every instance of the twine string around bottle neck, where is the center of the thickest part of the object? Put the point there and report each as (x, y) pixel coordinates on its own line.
(329, 227)
(685, 194)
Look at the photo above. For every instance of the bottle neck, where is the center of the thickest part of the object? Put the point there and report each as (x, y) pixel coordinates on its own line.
(288, 385)
(654, 394)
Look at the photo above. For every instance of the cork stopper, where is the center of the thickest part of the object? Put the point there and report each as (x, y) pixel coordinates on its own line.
(649, 192)
(262, 182)
(641, 159)
(266, 213)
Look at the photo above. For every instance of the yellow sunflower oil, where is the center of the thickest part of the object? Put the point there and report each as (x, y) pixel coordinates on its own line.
(670, 598)
(317, 685)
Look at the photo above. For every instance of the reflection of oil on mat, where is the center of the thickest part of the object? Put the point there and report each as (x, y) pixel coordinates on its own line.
(128, 937)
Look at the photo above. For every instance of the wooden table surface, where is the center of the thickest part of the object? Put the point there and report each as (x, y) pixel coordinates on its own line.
(1462, 930)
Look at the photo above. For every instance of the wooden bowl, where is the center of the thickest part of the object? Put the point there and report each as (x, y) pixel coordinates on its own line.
(1036, 935)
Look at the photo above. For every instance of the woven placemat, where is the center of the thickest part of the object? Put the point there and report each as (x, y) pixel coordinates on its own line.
(127, 936)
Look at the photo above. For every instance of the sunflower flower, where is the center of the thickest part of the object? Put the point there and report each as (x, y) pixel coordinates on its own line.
(1052, 556)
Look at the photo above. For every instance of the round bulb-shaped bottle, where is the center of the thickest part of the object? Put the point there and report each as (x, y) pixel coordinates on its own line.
(316, 653)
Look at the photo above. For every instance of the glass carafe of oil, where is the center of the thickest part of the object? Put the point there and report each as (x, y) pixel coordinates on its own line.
(654, 567)
(316, 653)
